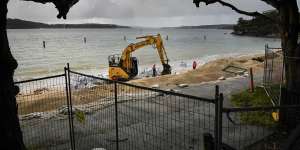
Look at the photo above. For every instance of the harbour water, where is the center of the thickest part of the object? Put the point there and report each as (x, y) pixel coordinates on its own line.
(67, 46)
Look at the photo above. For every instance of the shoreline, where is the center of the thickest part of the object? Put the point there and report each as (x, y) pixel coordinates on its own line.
(145, 70)
(43, 99)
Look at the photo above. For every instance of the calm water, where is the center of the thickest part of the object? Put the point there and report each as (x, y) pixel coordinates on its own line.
(66, 45)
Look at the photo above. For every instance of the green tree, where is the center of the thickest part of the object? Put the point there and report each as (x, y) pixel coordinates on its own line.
(288, 25)
(258, 26)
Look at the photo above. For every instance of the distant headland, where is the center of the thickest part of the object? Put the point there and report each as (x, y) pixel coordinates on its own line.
(216, 26)
(257, 26)
(23, 24)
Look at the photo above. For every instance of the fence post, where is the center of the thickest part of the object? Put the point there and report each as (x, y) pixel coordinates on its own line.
(216, 132)
(251, 80)
(116, 114)
(69, 106)
(272, 67)
(265, 65)
(220, 121)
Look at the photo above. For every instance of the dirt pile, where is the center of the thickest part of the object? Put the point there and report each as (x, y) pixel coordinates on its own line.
(208, 72)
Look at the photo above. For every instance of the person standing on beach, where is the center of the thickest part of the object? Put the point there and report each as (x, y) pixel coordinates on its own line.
(153, 70)
(194, 65)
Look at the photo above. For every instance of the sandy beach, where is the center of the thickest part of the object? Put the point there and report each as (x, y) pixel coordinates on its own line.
(210, 71)
(48, 99)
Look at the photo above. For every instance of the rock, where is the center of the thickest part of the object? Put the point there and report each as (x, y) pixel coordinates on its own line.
(160, 94)
(32, 116)
(259, 59)
(155, 86)
(240, 72)
(222, 78)
(40, 91)
(169, 90)
(64, 110)
(172, 90)
(182, 85)
(246, 74)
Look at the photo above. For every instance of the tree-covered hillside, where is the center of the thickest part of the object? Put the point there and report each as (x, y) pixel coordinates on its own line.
(258, 26)
(23, 24)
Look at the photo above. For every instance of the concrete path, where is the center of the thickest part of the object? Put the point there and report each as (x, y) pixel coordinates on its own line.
(227, 87)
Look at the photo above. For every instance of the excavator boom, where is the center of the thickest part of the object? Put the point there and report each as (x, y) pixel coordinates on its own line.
(126, 62)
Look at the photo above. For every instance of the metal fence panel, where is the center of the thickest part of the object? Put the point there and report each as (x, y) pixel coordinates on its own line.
(150, 119)
(121, 116)
(42, 112)
(132, 117)
(93, 112)
(248, 129)
(273, 73)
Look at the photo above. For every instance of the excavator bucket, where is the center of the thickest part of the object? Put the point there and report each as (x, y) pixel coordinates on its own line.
(166, 69)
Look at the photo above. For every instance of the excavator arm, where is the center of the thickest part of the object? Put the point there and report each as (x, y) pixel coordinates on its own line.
(156, 42)
(125, 66)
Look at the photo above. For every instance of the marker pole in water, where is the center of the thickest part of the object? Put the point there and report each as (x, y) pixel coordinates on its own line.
(124, 38)
(84, 40)
(44, 44)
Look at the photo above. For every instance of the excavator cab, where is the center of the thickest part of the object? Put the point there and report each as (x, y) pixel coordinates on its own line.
(119, 73)
(114, 60)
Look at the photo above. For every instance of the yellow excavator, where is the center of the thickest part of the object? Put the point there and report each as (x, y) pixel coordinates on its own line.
(125, 67)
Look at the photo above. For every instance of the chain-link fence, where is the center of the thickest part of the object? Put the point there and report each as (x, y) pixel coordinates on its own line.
(249, 128)
(79, 111)
(117, 115)
(42, 108)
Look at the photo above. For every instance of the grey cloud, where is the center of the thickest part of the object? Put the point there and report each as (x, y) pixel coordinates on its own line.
(137, 12)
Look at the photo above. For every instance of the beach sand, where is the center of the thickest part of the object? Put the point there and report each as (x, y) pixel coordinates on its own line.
(50, 99)
(210, 71)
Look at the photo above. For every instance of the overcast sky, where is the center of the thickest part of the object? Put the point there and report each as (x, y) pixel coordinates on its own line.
(148, 13)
